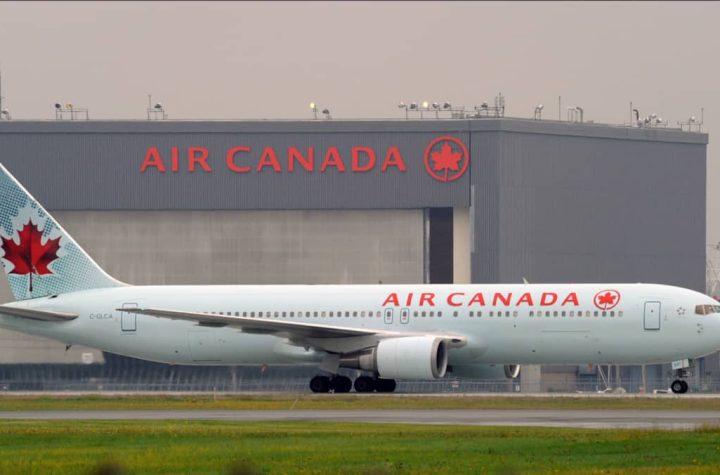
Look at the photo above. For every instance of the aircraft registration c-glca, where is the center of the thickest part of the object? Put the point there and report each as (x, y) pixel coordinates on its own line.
(383, 332)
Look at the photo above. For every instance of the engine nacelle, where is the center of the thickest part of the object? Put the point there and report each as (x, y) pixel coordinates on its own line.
(485, 371)
(418, 357)
(412, 357)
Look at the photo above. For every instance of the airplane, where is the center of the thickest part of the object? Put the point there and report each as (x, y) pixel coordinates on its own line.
(383, 333)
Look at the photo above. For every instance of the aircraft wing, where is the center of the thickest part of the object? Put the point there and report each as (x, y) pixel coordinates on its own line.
(34, 314)
(326, 337)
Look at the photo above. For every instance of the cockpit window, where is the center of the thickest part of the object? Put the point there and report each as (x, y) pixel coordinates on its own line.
(706, 309)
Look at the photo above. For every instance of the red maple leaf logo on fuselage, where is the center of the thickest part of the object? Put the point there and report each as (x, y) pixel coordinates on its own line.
(607, 299)
(31, 256)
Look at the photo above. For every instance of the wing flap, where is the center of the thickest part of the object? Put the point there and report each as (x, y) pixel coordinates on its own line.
(330, 338)
(256, 325)
(35, 314)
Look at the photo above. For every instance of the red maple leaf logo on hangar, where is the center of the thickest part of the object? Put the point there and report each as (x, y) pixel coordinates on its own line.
(446, 159)
(31, 256)
(607, 299)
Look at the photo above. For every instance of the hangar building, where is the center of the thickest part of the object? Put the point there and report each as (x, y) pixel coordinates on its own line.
(486, 200)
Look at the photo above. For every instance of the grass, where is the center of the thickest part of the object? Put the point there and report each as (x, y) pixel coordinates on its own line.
(162, 447)
(9, 402)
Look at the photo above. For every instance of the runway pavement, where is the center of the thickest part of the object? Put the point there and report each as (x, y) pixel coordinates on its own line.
(594, 419)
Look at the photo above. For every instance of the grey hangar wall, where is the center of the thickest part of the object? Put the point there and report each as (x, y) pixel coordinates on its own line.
(549, 201)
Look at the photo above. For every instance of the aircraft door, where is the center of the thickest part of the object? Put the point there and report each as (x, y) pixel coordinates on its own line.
(388, 316)
(128, 321)
(652, 316)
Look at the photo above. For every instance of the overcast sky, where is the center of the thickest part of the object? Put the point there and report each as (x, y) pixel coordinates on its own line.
(268, 60)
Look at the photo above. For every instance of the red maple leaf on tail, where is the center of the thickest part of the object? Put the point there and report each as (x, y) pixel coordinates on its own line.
(446, 159)
(31, 256)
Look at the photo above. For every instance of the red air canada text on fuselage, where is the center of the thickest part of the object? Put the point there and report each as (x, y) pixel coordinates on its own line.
(243, 159)
(469, 299)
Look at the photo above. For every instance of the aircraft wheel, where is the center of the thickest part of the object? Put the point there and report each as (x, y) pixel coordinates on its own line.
(364, 384)
(385, 385)
(679, 386)
(341, 384)
(320, 384)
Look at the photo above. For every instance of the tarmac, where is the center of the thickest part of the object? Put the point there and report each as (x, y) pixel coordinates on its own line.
(590, 419)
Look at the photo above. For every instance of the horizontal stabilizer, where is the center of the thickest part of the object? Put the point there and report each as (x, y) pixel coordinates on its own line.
(44, 315)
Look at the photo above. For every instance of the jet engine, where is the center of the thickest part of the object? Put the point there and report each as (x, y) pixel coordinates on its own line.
(413, 357)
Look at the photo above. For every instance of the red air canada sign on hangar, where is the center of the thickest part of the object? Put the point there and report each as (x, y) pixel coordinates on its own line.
(446, 159)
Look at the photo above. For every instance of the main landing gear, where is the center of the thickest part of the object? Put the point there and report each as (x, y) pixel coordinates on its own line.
(337, 383)
(343, 384)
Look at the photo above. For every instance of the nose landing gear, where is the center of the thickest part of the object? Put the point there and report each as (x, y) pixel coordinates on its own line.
(679, 386)
(683, 369)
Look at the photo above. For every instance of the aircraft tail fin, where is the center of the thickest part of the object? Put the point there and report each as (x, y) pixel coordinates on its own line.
(39, 257)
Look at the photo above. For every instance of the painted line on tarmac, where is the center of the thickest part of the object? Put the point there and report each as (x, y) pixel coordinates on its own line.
(595, 419)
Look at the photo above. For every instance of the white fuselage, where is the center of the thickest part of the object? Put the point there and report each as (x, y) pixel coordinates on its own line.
(649, 324)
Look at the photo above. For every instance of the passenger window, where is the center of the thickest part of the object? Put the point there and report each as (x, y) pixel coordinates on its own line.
(472, 314)
(562, 314)
(423, 313)
(491, 313)
(620, 313)
(315, 314)
(604, 314)
(354, 314)
(277, 314)
(244, 314)
(612, 314)
(252, 314)
(322, 314)
(455, 314)
(532, 314)
(515, 313)
(362, 314)
(432, 313)
(415, 313)
(439, 313)
(596, 313)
